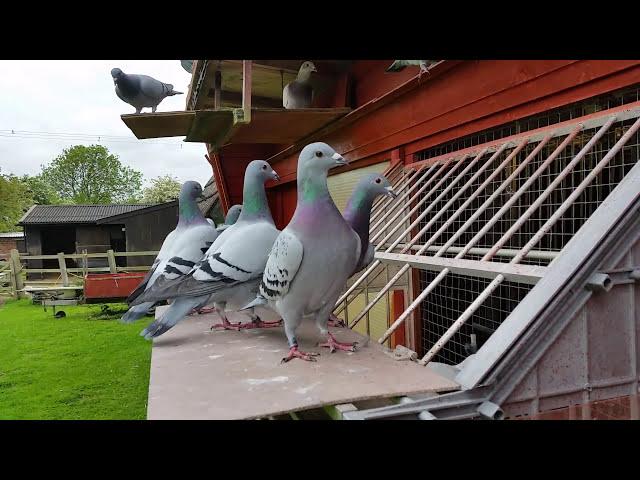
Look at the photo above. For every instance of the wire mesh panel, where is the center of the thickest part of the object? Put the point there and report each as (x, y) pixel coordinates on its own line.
(515, 202)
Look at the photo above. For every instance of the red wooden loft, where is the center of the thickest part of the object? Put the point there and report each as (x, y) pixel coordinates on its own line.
(240, 101)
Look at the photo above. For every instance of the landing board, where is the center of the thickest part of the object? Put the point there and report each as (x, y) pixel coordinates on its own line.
(199, 374)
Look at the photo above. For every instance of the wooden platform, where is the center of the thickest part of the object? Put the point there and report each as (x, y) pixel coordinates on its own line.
(267, 125)
(199, 374)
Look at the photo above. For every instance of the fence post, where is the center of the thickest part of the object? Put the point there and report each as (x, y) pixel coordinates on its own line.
(112, 261)
(63, 269)
(85, 263)
(16, 273)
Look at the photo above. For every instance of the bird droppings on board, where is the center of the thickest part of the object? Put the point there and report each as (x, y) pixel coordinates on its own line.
(261, 381)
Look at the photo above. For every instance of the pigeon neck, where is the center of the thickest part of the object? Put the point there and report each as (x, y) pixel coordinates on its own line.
(358, 213)
(312, 188)
(303, 76)
(188, 211)
(254, 201)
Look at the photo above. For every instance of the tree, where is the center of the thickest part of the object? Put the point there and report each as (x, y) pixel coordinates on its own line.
(162, 189)
(15, 200)
(41, 191)
(91, 175)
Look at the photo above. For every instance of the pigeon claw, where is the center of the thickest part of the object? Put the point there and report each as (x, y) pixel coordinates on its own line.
(332, 344)
(260, 324)
(226, 325)
(295, 353)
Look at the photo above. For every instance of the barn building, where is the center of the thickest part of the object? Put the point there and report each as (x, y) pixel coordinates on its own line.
(510, 261)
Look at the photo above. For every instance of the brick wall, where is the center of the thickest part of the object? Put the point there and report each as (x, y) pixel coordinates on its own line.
(7, 244)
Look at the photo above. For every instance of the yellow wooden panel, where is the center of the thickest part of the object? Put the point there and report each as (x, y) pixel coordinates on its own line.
(341, 185)
(378, 315)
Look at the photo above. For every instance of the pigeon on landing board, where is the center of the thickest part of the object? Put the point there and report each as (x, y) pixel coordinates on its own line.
(231, 218)
(358, 214)
(141, 91)
(181, 249)
(230, 271)
(399, 65)
(299, 93)
(314, 255)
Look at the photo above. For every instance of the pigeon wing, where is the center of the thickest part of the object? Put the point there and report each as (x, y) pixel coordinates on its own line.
(282, 266)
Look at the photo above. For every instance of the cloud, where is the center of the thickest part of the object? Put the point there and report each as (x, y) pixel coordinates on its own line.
(78, 97)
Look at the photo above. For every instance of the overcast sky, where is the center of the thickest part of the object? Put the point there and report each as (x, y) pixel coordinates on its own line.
(78, 97)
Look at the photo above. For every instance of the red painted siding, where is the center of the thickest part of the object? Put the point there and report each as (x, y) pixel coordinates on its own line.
(457, 99)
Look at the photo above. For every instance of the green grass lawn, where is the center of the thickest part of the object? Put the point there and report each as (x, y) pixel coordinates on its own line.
(84, 366)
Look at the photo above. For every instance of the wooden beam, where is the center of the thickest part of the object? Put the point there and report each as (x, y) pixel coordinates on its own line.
(246, 89)
(217, 90)
(63, 269)
(527, 274)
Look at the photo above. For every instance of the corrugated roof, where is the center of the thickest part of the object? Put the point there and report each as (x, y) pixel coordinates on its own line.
(210, 197)
(54, 214)
(12, 235)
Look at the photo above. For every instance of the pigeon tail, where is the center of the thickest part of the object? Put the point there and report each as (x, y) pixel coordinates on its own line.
(174, 92)
(258, 301)
(396, 67)
(136, 312)
(176, 312)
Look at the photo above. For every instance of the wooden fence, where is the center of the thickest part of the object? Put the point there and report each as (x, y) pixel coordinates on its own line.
(13, 271)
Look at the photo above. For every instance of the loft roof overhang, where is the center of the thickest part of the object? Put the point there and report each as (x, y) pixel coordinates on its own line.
(239, 101)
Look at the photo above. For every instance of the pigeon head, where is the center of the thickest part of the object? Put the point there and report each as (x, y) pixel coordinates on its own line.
(117, 74)
(191, 189)
(374, 185)
(261, 170)
(233, 214)
(318, 158)
(305, 71)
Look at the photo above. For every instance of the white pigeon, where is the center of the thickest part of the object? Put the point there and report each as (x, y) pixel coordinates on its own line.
(314, 255)
(231, 269)
(181, 249)
(299, 93)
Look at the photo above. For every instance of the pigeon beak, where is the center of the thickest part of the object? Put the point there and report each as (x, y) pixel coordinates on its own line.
(275, 176)
(391, 193)
(339, 159)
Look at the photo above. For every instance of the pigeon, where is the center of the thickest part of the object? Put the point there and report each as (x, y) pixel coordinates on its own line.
(141, 91)
(357, 214)
(299, 94)
(181, 249)
(400, 65)
(313, 256)
(187, 65)
(230, 272)
(230, 219)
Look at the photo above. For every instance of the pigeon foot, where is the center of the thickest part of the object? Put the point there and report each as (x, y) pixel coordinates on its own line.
(295, 353)
(332, 344)
(226, 325)
(257, 323)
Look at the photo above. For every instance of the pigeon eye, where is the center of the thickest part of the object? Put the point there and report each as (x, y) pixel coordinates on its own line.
(378, 180)
(264, 167)
(318, 154)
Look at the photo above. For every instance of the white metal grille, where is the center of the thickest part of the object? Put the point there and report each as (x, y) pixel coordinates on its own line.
(482, 225)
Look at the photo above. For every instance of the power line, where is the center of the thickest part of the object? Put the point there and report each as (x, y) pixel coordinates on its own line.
(64, 136)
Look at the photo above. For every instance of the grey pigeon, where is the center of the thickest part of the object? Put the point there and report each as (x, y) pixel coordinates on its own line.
(314, 255)
(141, 91)
(400, 65)
(187, 65)
(181, 249)
(231, 218)
(231, 269)
(299, 93)
(358, 213)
